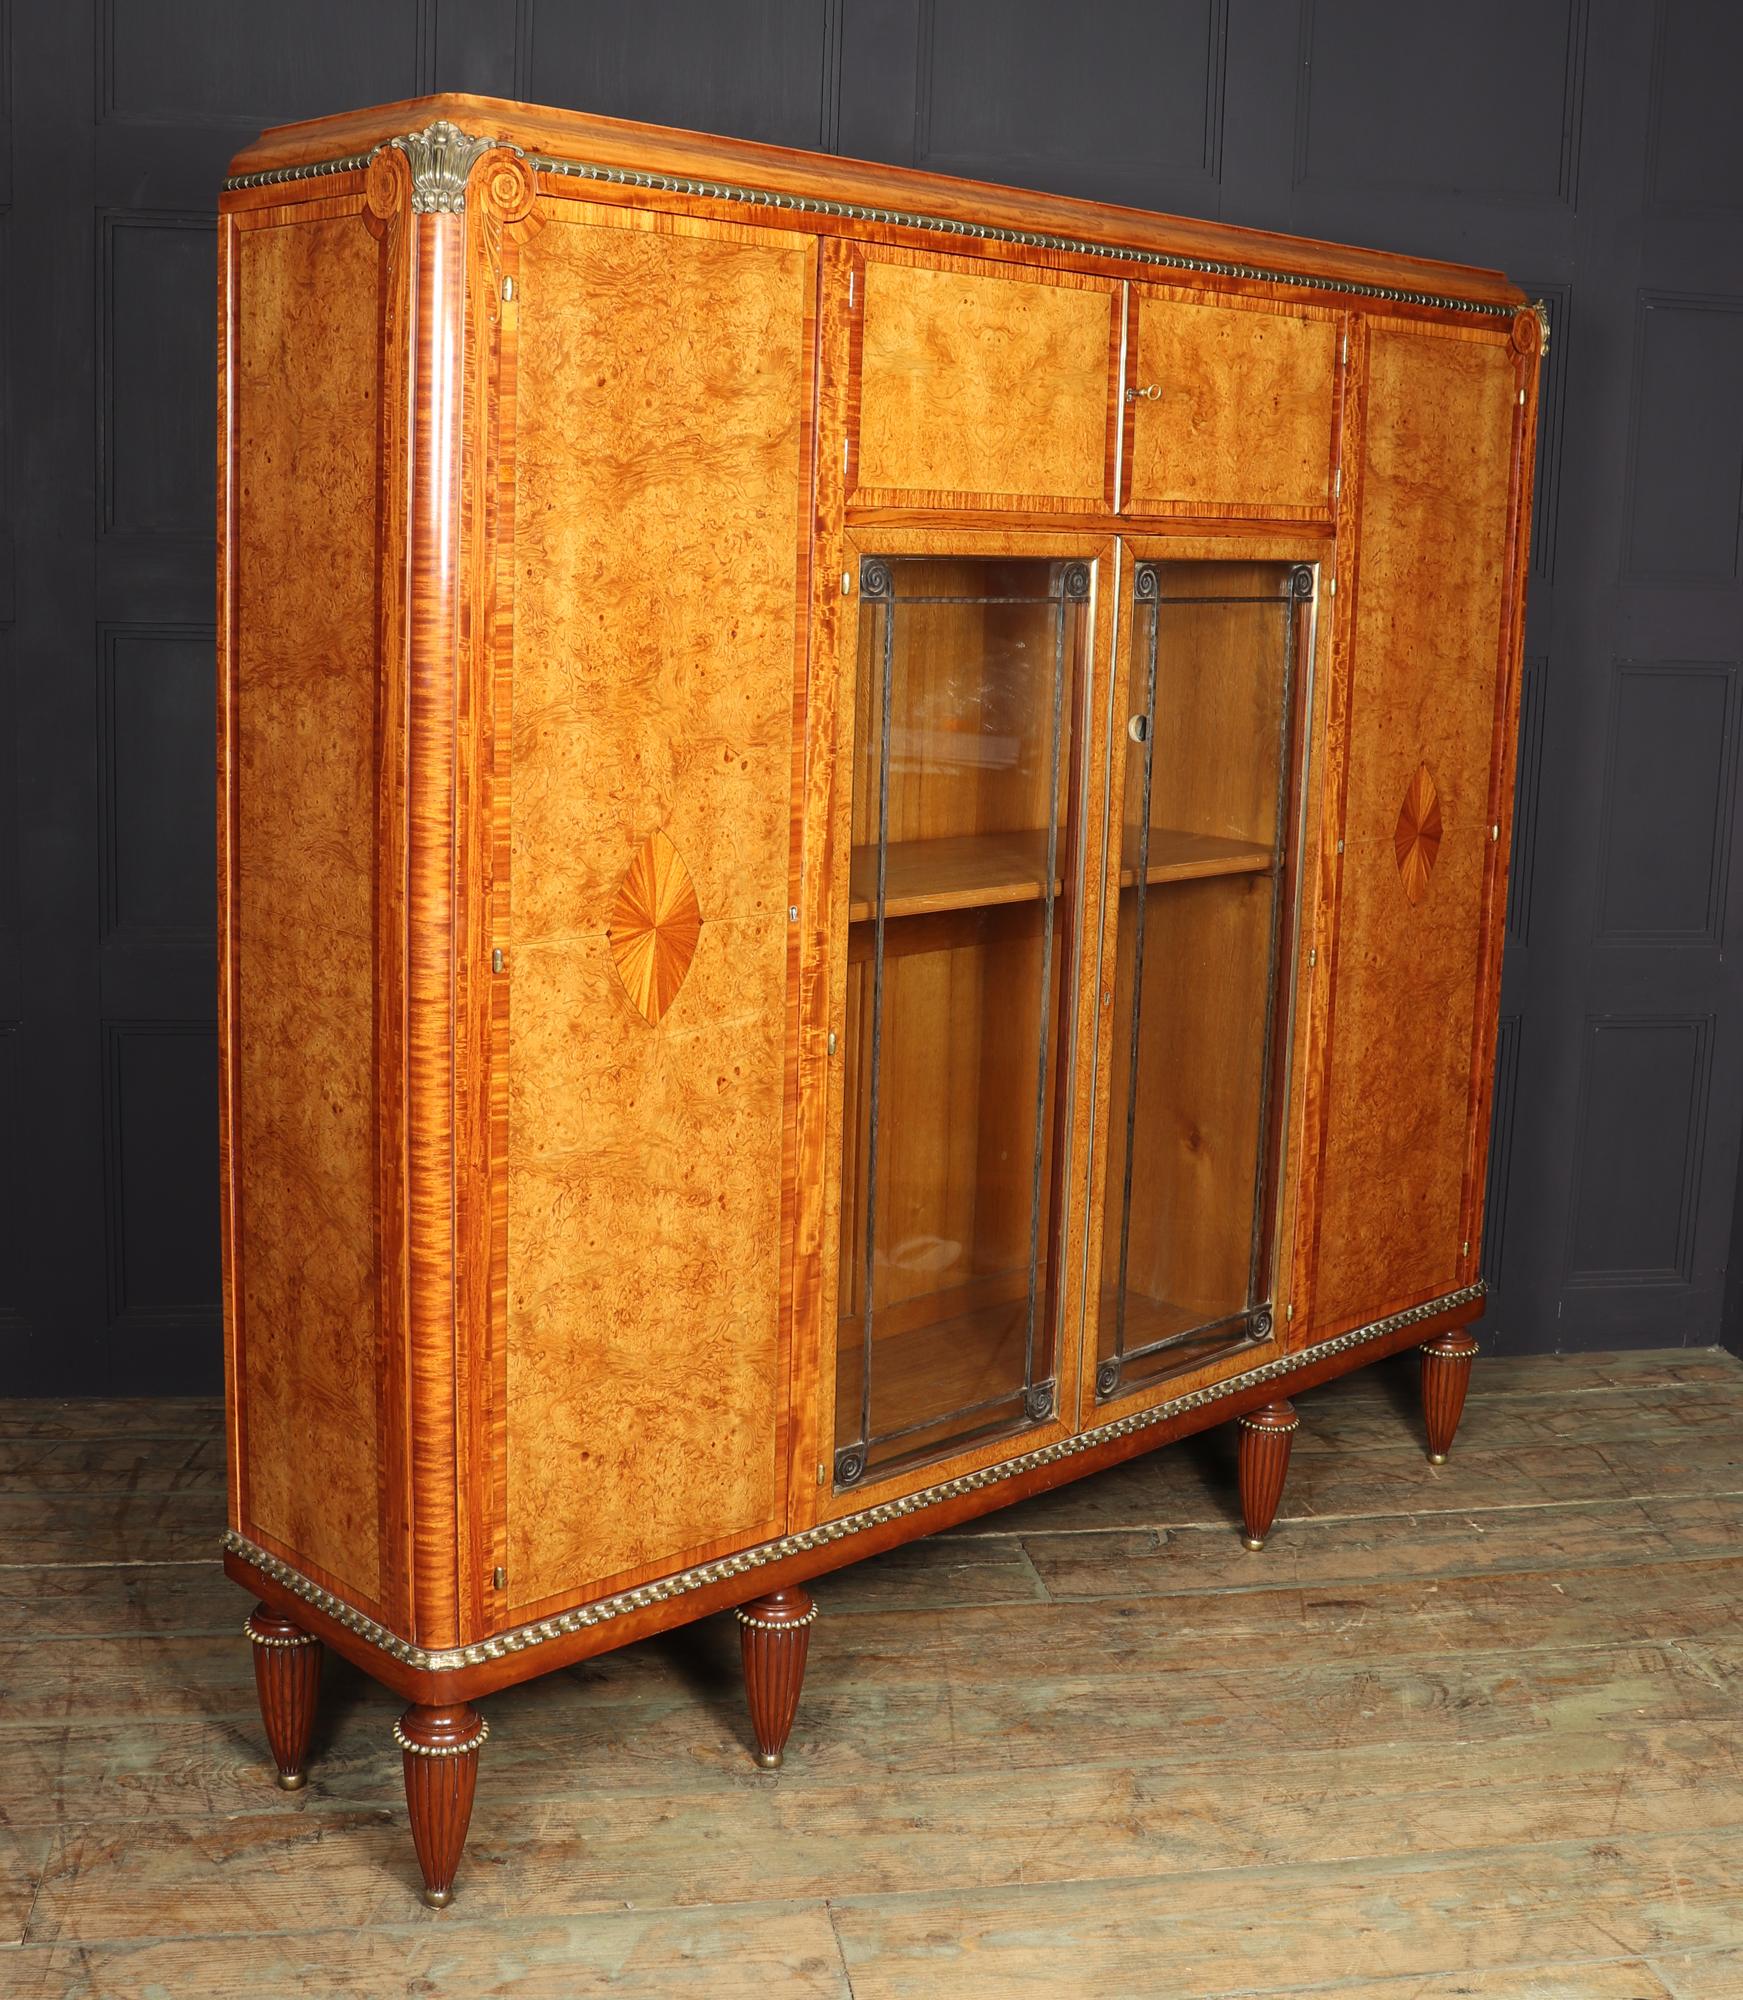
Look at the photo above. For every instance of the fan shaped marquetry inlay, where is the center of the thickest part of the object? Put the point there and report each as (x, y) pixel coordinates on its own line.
(1417, 839)
(656, 924)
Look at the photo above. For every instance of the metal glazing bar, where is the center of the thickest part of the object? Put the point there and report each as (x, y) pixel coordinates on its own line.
(931, 1423)
(1297, 589)
(875, 584)
(1268, 597)
(1208, 1331)
(1146, 584)
(1038, 1163)
(1074, 585)
(921, 597)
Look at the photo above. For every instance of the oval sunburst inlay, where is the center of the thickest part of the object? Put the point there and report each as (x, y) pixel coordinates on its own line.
(656, 924)
(1417, 839)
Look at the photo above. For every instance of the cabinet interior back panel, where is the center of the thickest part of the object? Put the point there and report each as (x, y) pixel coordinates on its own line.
(662, 497)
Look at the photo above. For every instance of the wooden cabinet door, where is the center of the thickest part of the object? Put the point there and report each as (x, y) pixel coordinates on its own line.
(1428, 632)
(659, 448)
(975, 384)
(1232, 407)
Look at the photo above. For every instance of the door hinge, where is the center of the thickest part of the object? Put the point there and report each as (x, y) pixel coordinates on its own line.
(847, 583)
(832, 1041)
(1465, 1248)
(1312, 956)
(852, 283)
(1337, 484)
(1344, 358)
(498, 1577)
(496, 959)
(1289, 1310)
(1332, 588)
(822, 1473)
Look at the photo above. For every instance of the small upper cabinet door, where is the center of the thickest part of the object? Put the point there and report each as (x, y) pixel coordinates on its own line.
(978, 386)
(1232, 407)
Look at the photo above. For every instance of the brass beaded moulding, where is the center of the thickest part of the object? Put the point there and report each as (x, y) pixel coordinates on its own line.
(545, 1630)
(441, 1749)
(437, 151)
(255, 1638)
(756, 1624)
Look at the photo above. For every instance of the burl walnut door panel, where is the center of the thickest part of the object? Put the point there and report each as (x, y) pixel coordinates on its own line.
(974, 385)
(1431, 692)
(1231, 407)
(660, 457)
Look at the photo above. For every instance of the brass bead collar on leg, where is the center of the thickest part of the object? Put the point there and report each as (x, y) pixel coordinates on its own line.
(440, 1749)
(255, 1638)
(776, 1624)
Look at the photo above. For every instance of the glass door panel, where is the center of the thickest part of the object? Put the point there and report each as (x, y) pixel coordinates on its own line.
(960, 913)
(1187, 1243)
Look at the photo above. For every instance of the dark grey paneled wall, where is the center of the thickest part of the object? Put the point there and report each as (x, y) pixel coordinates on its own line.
(1591, 147)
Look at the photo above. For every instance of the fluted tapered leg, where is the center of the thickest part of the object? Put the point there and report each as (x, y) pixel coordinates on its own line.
(775, 1633)
(441, 1774)
(1446, 1375)
(287, 1677)
(1266, 1437)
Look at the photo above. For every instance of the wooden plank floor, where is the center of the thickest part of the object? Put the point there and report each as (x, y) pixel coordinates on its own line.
(1467, 1731)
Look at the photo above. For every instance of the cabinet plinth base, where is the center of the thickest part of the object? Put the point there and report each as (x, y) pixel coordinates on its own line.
(775, 1638)
(287, 1678)
(1446, 1375)
(441, 1775)
(1267, 1434)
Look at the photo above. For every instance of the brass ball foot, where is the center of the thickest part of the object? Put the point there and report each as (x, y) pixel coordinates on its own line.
(769, 1760)
(1437, 1458)
(1252, 1541)
(292, 1781)
(438, 1899)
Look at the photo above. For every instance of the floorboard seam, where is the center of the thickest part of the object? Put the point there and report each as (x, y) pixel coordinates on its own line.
(840, 1947)
(124, 1562)
(1413, 1980)
(1226, 1526)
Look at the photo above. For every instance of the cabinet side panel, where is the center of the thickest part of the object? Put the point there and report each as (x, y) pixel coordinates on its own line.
(1428, 679)
(662, 500)
(302, 917)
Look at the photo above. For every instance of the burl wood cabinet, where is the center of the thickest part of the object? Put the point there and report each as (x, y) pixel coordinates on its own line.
(864, 827)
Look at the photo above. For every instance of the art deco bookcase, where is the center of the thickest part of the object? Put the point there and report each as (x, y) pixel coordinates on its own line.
(863, 839)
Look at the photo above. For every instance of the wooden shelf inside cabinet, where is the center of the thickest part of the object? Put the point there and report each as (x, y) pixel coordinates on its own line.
(974, 871)
(969, 871)
(1175, 856)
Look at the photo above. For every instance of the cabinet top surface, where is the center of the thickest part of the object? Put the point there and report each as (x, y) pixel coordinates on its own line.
(743, 168)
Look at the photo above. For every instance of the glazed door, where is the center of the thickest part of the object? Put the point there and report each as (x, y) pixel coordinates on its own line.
(1411, 940)
(1203, 840)
(971, 675)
